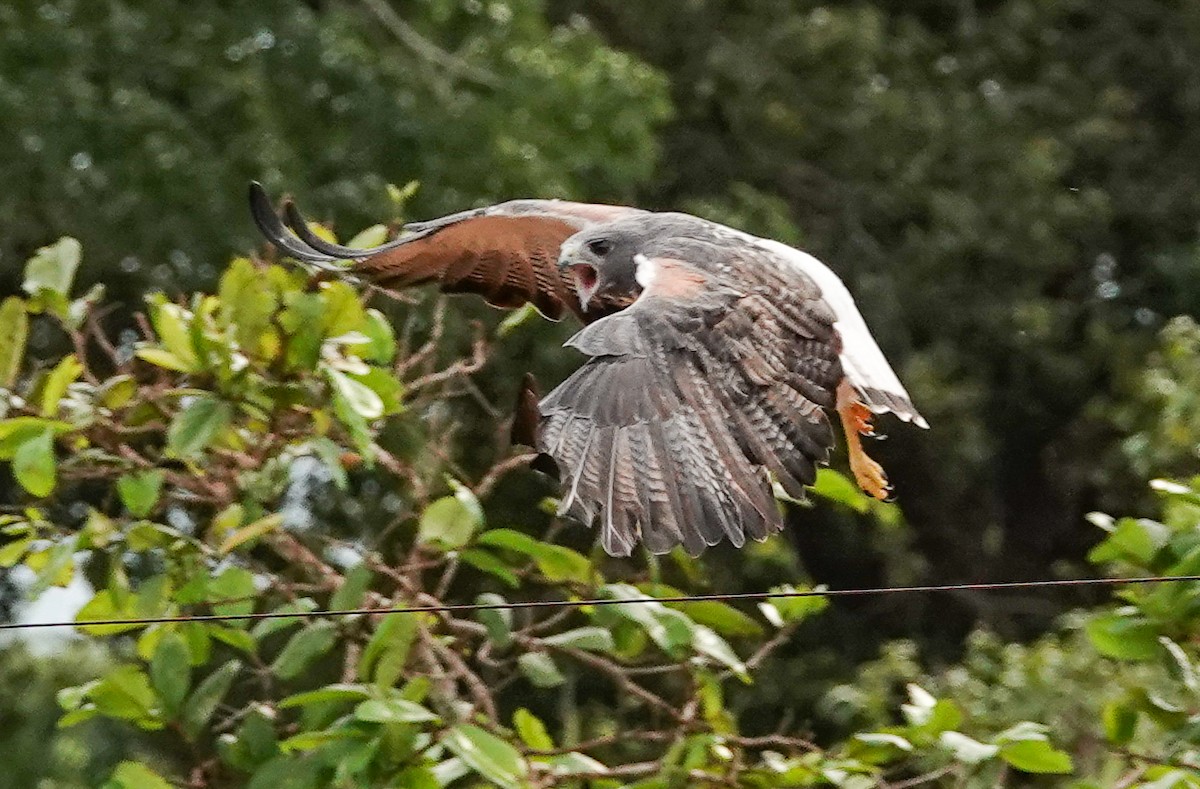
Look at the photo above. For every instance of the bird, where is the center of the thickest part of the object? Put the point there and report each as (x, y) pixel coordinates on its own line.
(713, 358)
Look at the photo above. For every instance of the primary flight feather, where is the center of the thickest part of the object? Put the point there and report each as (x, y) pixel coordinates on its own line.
(714, 357)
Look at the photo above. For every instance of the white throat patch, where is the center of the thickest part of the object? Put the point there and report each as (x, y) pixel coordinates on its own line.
(647, 271)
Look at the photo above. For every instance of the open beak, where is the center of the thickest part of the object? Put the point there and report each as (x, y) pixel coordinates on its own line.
(587, 281)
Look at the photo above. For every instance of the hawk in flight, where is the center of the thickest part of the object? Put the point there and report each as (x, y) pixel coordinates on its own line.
(714, 357)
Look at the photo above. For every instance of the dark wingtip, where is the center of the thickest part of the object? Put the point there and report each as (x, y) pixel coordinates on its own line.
(299, 225)
(273, 229)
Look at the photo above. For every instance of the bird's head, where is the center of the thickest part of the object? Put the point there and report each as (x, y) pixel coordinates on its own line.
(601, 260)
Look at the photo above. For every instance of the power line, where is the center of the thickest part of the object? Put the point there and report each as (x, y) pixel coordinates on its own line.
(695, 598)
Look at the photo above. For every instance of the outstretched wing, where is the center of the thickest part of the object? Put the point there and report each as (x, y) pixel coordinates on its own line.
(507, 253)
(865, 365)
(694, 399)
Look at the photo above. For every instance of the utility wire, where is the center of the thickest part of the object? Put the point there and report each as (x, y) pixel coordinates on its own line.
(695, 598)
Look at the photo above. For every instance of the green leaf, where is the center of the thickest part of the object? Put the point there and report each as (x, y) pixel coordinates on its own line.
(372, 236)
(268, 626)
(1165, 714)
(164, 359)
(1134, 540)
(392, 710)
(670, 629)
(385, 385)
(14, 333)
(448, 523)
(77, 309)
(289, 771)
(928, 716)
(782, 610)
(171, 672)
(55, 566)
(489, 563)
(877, 747)
(1124, 637)
(131, 775)
(1178, 663)
(251, 531)
(140, 490)
(117, 391)
(238, 639)
(344, 312)
(13, 552)
(197, 425)
(52, 268)
(1165, 778)
(106, 604)
(966, 749)
(246, 304)
(76, 717)
(360, 398)
(386, 654)
(381, 347)
(256, 741)
(498, 621)
(488, 755)
(336, 692)
(303, 320)
(837, 488)
(556, 562)
(232, 592)
(592, 639)
(540, 669)
(417, 778)
(516, 319)
(1036, 756)
(1120, 722)
(125, 693)
(16, 431)
(531, 730)
(303, 648)
(34, 463)
(65, 373)
(721, 617)
(207, 696)
(574, 762)
(354, 587)
(708, 643)
(171, 324)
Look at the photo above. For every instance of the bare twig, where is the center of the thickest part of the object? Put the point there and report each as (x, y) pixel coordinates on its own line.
(462, 367)
(925, 778)
(475, 686)
(426, 49)
(619, 676)
(414, 360)
(499, 470)
(603, 742)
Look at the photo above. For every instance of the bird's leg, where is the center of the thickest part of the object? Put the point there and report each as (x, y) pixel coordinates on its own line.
(856, 422)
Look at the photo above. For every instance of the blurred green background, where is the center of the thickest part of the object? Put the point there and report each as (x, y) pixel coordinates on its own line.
(1010, 188)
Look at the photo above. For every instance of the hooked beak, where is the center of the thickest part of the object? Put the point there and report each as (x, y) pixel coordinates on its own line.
(584, 274)
(587, 282)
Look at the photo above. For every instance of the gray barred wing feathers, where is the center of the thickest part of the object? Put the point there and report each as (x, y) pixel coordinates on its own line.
(692, 401)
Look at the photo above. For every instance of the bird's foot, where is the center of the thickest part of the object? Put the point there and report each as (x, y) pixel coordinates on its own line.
(861, 419)
(869, 475)
(856, 422)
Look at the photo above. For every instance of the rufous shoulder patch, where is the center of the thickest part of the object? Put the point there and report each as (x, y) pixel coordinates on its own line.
(668, 278)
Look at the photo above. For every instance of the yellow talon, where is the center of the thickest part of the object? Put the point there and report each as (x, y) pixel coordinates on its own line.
(856, 422)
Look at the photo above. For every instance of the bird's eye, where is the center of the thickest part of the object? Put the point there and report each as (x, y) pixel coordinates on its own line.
(599, 246)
